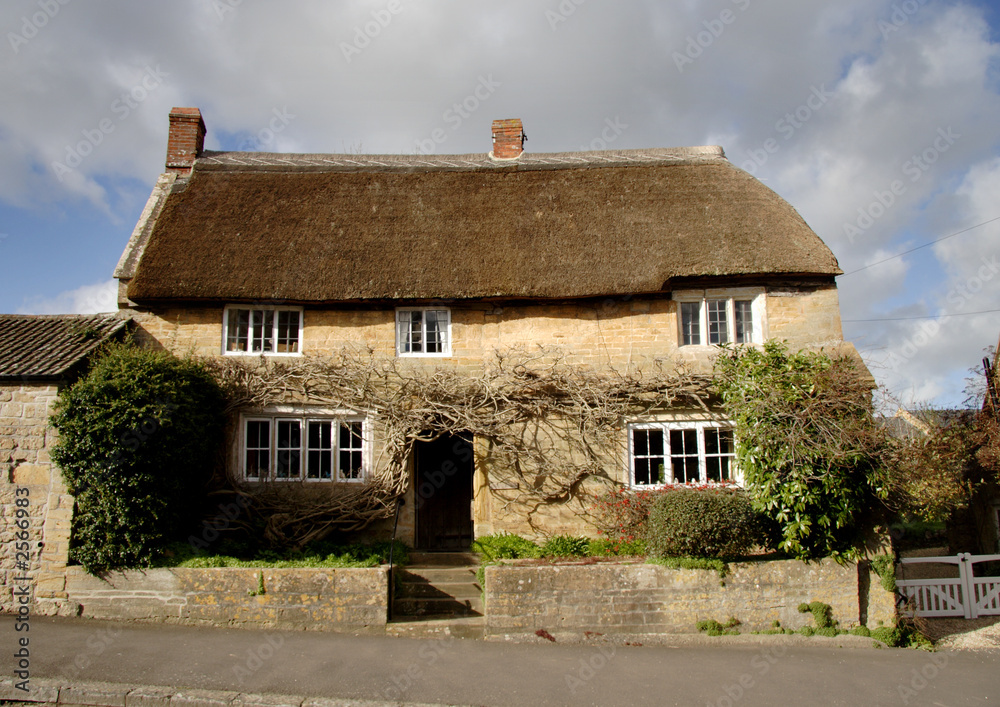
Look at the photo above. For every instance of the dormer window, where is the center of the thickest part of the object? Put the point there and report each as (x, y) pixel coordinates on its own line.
(715, 317)
(423, 331)
(275, 331)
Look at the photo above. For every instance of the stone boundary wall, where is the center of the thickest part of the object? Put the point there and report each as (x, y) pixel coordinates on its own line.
(311, 599)
(647, 599)
(27, 472)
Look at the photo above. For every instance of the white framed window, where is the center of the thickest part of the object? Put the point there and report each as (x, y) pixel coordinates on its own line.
(285, 447)
(681, 453)
(423, 331)
(275, 331)
(713, 317)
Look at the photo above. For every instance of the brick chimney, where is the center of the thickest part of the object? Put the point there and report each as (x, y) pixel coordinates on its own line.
(186, 139)
(508, 138)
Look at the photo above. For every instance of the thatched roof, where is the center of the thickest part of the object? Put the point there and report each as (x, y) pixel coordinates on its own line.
(315, 228)
(49, 346)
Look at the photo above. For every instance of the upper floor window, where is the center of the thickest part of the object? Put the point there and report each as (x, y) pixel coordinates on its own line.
(720, 316)
(681, 453)
(423, 331)
(262, 330)
(293, 448)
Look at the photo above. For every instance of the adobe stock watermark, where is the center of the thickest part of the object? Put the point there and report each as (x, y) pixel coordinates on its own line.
(96, 645)
(789, 124)
(257, 656)
(914, 168)
(761, 664)
(266, 136)
(920, 679)
(434, 481)
(212, 528)
(224, 7)
(613, 129)
(405, 679)
(957, 298)
(122, 109)
(588, 668)
(149, 425)
(32, 25)
(366, 33)
(695, 45)
(900, 17)
(458, 113)
(562, 13)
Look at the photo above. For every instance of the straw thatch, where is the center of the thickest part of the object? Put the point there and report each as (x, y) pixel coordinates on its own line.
(307, 228)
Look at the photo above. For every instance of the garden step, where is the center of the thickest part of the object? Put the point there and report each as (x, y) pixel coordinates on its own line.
(437, 626)
(438, 590)
(448, 606)
(435, 575)
(443, 559)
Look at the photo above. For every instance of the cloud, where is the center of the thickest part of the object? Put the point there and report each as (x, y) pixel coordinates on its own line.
(89, 299)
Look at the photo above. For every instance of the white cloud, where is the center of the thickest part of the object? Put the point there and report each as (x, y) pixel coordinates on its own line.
(89, 299)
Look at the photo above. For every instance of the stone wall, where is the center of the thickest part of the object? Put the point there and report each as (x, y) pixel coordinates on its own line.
(26, 472)
(310, 599)
(642, 598)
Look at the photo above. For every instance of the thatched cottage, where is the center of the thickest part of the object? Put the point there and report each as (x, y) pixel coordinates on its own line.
(498, 269)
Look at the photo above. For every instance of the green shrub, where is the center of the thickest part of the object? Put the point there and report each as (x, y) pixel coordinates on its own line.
(860, 631)
(828, 631)
(505, 546)
(822, 614)
(692, 563)
(565, 546)
(714, 628)
(138, 442)
(885, 567)
(701, 523)
(807, 630)
(889, 635)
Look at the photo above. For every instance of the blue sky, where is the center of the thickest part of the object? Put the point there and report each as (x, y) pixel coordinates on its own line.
(877, 120)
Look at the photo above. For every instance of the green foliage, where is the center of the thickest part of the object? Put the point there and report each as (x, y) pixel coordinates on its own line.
(692, 563)
(885, 567)
(318, 554)
(889, 635)
(714, 628)
(822, 614)
(505, 546)
(565, 546)
(605, 547)
(807, 444)
(861, 631)
(622, 514)
(807, 631)
(714, 522)
(138, 442)
(903, 635)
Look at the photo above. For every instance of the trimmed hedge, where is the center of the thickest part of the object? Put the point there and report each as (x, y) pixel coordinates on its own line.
(702, 523)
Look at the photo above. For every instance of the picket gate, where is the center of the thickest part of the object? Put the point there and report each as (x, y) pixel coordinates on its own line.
(966, 595)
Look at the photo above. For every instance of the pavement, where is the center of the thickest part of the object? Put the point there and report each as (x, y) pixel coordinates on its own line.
(80, 661)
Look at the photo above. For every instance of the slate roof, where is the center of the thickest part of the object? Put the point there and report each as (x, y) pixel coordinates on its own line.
(354, 228)
(48, 346)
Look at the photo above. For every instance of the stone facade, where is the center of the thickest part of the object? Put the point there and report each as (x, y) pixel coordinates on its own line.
(642, 598)
(601, 335)
(26, 472)
(309, 599)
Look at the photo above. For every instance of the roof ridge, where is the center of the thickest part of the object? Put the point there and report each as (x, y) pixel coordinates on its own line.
(275, 161)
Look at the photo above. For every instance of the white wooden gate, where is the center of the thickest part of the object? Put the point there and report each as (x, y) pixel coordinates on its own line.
(965, 595)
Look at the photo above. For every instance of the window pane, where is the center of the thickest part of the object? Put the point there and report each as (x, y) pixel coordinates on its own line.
(262, 324)
(238, 330)
(351, 462)
(410, 332)
(691, 322)
(437, 330)
(744, 321)
(648, 461)
(718, 326)
(258, 448)
(319, 457)
(684, 455)
(719, 454)
(289, 450)
(288, 331)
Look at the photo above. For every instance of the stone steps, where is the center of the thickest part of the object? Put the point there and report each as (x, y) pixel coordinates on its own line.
(437, 586)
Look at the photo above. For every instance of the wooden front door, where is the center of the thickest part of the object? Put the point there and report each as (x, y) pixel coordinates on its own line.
(444, 470)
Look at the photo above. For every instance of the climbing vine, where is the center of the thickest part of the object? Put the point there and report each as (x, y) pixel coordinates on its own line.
(544, 427)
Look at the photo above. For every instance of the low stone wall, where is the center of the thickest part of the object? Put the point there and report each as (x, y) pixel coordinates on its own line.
(311, 599)
(641, 598)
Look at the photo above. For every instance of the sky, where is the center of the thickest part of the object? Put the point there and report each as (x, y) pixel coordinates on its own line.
(878, 120)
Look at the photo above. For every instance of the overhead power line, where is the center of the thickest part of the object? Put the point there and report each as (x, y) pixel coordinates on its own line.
(919, 247)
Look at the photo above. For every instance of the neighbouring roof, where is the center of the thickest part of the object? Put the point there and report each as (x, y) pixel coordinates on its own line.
(48, 346)
(324, 228)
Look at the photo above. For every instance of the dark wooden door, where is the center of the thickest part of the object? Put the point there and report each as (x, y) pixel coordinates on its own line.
(444, 470)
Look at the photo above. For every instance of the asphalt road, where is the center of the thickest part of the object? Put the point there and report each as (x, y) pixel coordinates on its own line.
(466, 672)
